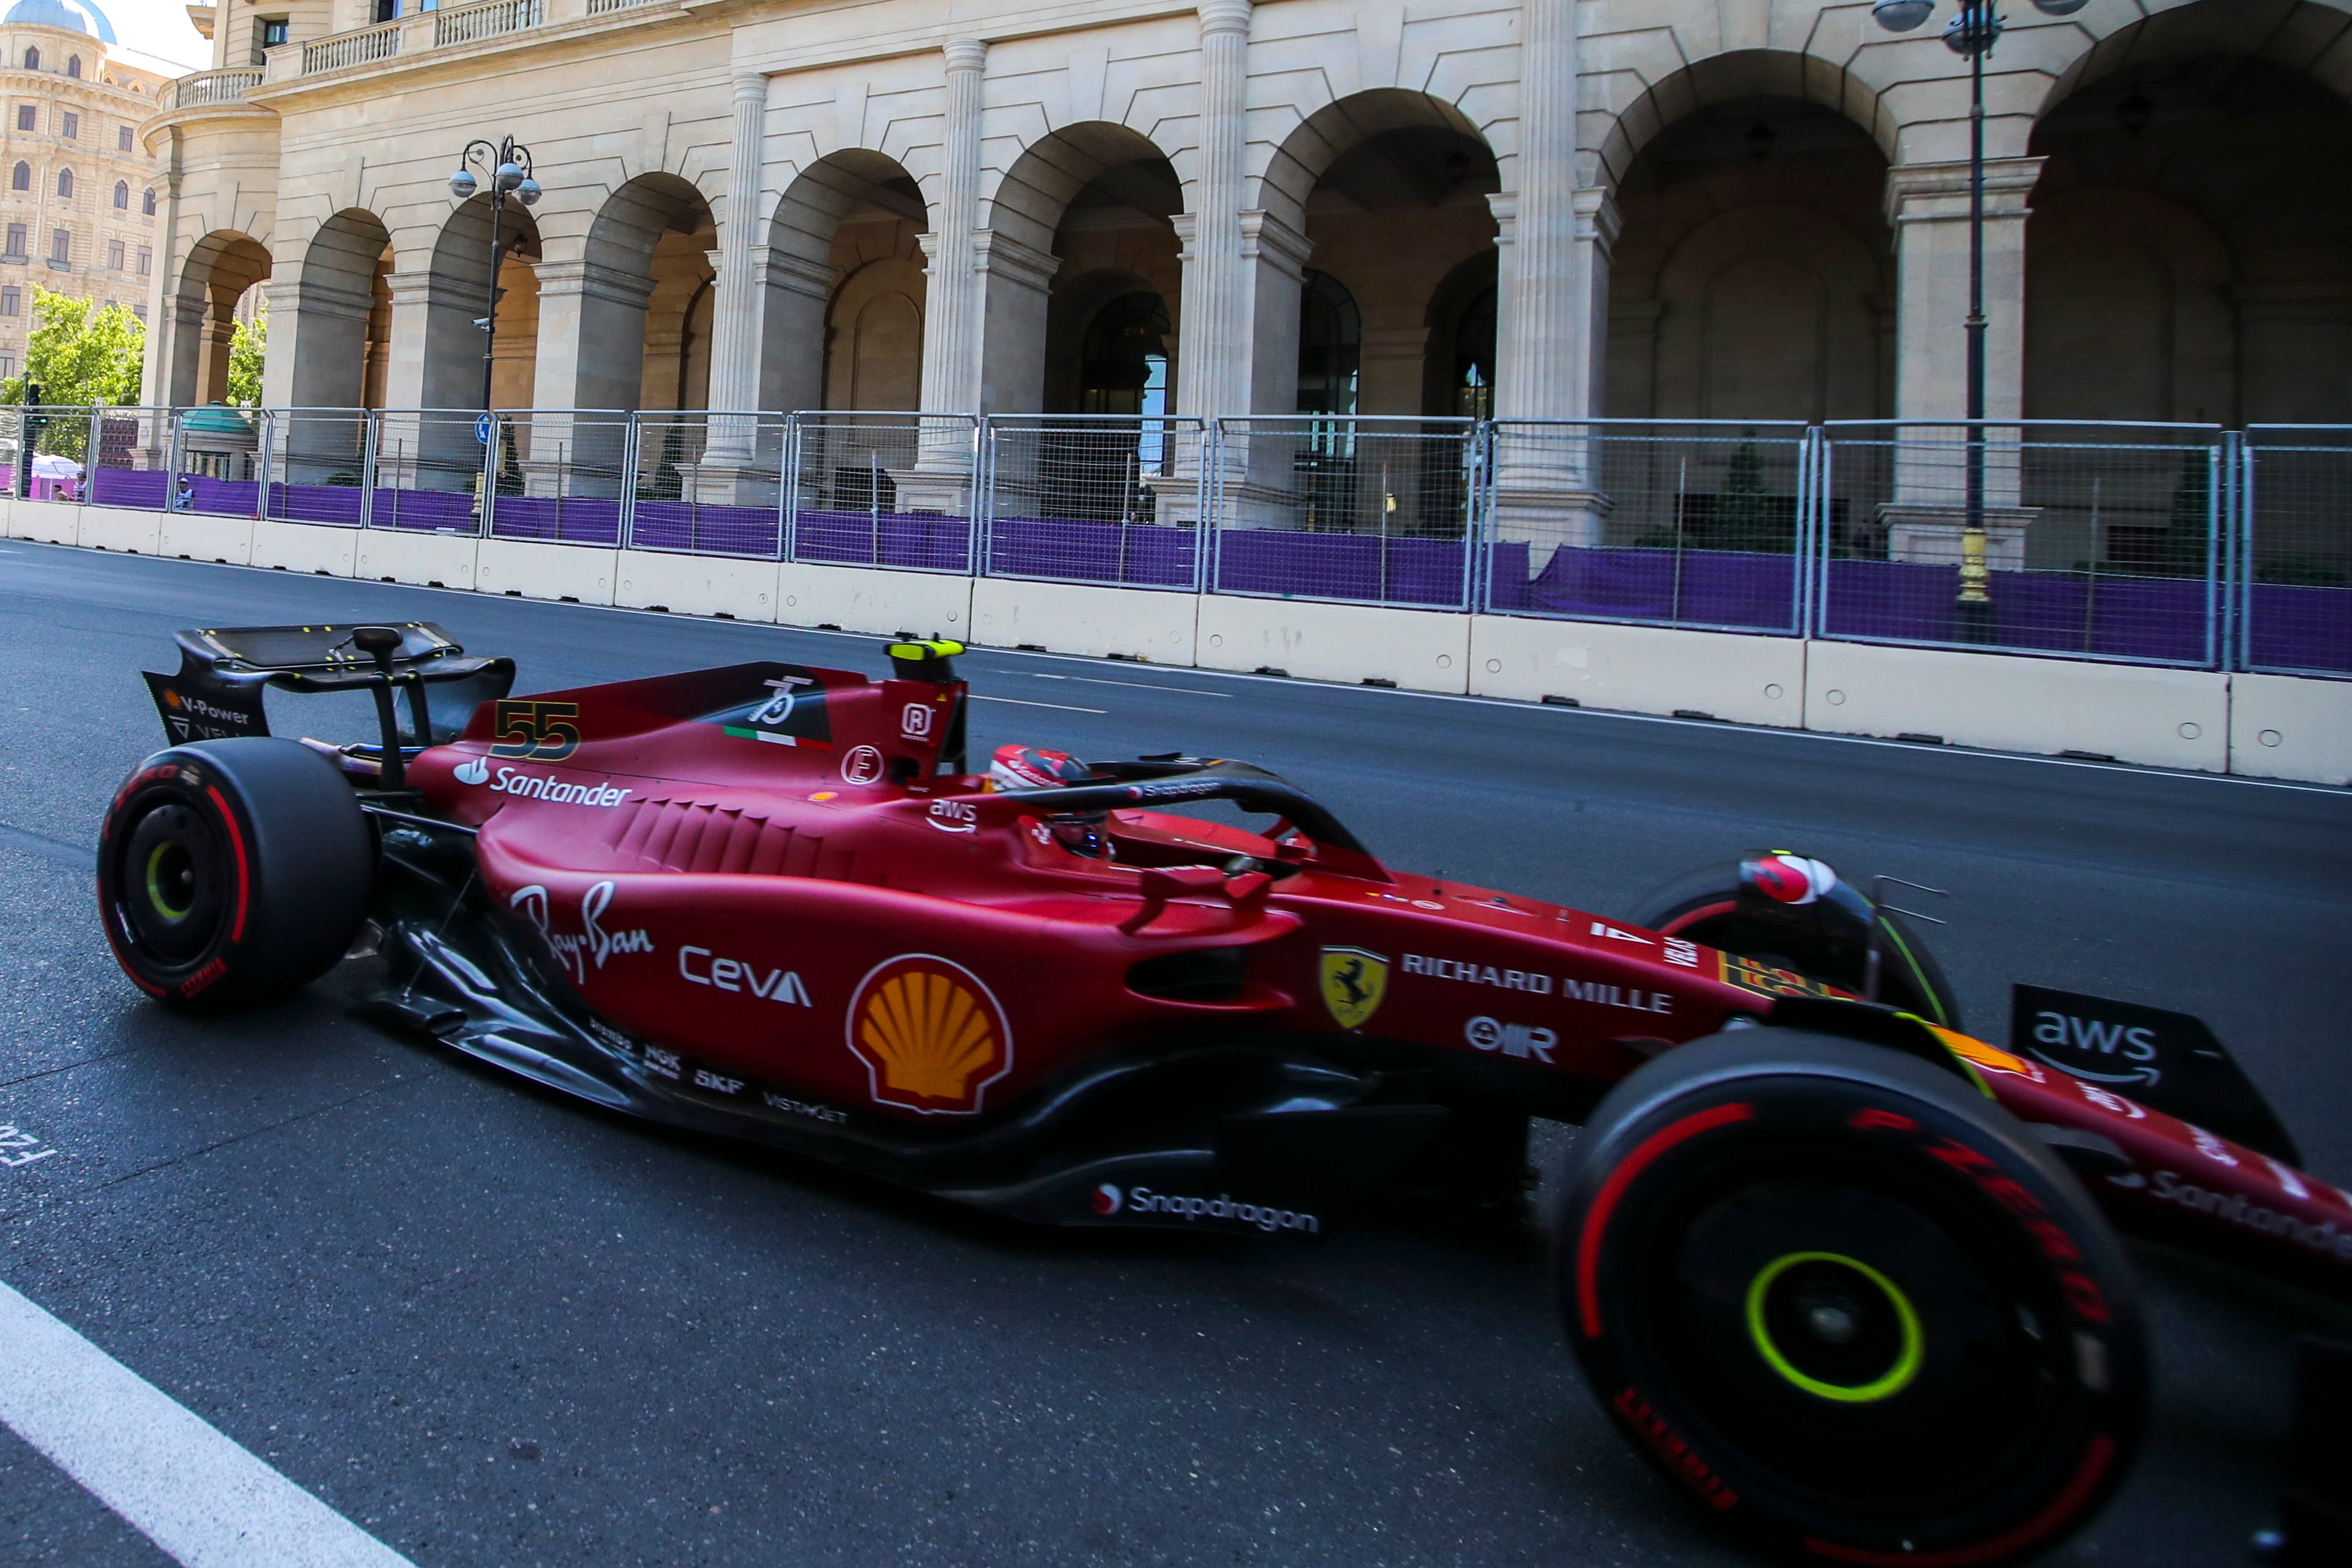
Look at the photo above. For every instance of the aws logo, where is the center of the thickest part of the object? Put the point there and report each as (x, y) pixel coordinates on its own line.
(933, 1037)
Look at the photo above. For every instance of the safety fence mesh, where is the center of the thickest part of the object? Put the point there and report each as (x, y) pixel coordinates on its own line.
(1353, 510)
(2165, 544)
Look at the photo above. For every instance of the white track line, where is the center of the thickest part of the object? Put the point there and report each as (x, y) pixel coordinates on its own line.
(207, 1502)
(1024, 702)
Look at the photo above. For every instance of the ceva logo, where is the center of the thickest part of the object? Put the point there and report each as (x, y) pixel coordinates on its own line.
(1108, 1199)
(476, 771)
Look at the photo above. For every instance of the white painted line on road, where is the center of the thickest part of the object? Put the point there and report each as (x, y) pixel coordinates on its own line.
(207, 1502)
(1018, 702)
(1147, 685)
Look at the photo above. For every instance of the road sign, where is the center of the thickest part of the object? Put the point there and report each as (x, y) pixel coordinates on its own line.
(482, 428)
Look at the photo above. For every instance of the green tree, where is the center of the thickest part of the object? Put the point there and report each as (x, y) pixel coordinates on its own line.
(245, 350)
(78, 354)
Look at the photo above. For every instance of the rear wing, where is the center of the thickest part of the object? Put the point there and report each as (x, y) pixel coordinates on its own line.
(224, 671)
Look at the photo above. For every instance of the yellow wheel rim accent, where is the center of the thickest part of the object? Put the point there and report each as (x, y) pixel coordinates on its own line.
(1897, 1378)
(155, 893)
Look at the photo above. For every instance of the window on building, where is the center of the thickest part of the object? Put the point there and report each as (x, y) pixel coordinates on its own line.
(8, 366)
(140, 311)
(28, 118)
(12, 301)
(147, 203)
(122, 138)
(33, 60)
(123, 194)
(65, 182)
(16, 242)
(387, 10)
(73, 66)
(21, 177)
(70, 126)
(60, 246)
(114, 255)
(146, 260)
(273, 31)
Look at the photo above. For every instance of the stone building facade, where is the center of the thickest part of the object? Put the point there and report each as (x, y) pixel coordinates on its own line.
(1742, 209)
(80, 193)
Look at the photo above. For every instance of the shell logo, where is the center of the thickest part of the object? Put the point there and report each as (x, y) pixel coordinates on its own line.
(931, 1035)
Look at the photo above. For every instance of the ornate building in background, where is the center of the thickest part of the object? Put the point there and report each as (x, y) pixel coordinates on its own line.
(1741, 209)
(80, 192)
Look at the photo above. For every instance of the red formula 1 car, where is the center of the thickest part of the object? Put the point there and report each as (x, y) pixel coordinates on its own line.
(1840, 1269)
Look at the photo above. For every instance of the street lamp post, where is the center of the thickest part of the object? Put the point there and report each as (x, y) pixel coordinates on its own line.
(1972, 34)
(507, 167)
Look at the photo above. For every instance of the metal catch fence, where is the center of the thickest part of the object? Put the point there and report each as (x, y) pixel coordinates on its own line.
(1350, 508)
(1705, 524)
(2294, 556)
(2100, 542)
(891, 491)
(2164, 544)
(1104, 499)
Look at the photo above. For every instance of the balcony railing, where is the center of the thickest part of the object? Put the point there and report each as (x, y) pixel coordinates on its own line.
(598, 7)
(478, 22)
(211, 87)
(365, 46)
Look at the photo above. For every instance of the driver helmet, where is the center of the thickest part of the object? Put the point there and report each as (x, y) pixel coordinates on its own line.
(1035, 767)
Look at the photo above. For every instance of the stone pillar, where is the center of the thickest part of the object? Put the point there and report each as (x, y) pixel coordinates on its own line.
(1928, 206)
(1214, 338)
(436, 364)
(317, 359)
(161, 382)
(1259, 477)
(1552, 329)
(592, 352)
(954, 299)
(731, 444)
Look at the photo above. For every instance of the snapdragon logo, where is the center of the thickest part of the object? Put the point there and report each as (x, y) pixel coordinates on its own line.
(1108, 1200)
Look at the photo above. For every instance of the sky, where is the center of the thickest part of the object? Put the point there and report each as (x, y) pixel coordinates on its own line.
(160, 30)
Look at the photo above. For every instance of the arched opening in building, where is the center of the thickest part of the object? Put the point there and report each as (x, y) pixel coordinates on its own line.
(2189, 257)
(1387, 190)
(1085, 296)
(337, 344)
(220, 268)
(438, 450)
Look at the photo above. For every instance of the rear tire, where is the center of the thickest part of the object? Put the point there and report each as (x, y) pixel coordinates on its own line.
(230, 871)
(1847, 1301)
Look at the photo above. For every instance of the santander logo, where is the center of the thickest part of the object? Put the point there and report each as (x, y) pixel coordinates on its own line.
(474, 771)
(1108, 1199)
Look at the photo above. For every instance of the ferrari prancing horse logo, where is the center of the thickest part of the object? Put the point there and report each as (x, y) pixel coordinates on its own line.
(1354, 981)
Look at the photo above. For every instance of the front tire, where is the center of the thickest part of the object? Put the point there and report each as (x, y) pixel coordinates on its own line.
(1849, 1302)
(230, 871)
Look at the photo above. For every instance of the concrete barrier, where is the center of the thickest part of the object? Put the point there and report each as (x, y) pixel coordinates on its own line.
(1640, 669)
(697, 584)
(867, 599)
(118, 528)
(1426, 650)
(50, 522)
(436, 560)
(1083, 618)
(205, 536)
(578, 572)
(2291, 727)
(2171, 718)
(305, 547)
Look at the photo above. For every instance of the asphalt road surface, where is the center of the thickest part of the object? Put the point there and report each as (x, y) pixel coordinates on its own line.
(495, 1328)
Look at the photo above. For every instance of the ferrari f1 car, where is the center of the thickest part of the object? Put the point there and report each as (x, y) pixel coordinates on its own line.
(1845, 1272)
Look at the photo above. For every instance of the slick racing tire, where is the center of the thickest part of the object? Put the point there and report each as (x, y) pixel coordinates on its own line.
(1848, 1302)
(230, 871)
(1827, 941)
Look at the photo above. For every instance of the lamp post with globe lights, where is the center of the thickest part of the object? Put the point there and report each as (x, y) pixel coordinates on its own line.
(506, 168)
(1971, 34)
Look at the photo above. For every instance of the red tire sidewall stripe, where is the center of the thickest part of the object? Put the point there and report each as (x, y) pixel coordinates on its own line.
(236, 844)
(1691, 917)
(1596, 1220)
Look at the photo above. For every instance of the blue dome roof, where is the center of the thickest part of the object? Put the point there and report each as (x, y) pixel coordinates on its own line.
(73, 16)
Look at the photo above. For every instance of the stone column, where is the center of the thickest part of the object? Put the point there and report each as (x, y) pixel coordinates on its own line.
(1552, 330)
(163, 379)
(591, 350)
(1928, 206)
(731, 445)
(954, 299)
(1259, 476)
(436, 364)
(1214, 338)
(317, 359)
